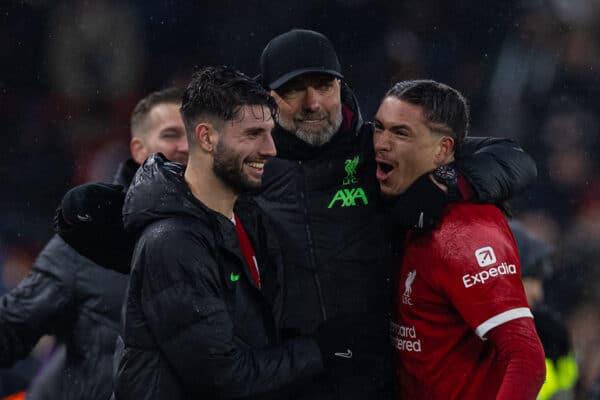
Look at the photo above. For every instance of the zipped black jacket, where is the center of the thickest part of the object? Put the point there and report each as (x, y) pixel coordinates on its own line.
(326, 206)
(78, 301)
(195, 325)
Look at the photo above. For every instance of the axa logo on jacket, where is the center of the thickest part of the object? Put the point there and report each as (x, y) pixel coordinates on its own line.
(349, 197)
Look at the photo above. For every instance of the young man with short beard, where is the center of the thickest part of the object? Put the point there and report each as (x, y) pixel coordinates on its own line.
(323, 198)
(202, 314)
(461, 326)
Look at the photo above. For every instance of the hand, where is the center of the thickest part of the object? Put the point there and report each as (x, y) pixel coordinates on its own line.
(92, 204)
(90, 220)
(420, 207)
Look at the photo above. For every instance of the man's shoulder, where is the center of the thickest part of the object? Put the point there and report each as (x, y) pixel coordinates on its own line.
(472, 234)
(176, 231)
(472, 217)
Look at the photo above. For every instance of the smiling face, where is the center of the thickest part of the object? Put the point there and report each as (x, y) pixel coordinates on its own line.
(244, 145)
(406, 146)
(310, 107)
(162, 131)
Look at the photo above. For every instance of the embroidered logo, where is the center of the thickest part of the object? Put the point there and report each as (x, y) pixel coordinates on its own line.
(348, 197)
(408, 287)
(350, 167)
(485, 256)
(234, 277)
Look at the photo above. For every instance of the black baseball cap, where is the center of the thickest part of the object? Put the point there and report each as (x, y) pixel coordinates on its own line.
(297, 52)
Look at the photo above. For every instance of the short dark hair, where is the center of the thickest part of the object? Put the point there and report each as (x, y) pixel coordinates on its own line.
(170, 95)
(441, 104)
(220, 92)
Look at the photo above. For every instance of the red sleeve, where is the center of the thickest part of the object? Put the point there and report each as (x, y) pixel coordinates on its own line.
(521, 355)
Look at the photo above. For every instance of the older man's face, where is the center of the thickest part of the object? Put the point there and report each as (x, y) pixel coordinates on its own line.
(310, 107)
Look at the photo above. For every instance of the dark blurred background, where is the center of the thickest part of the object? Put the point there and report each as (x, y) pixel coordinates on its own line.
(71, 71)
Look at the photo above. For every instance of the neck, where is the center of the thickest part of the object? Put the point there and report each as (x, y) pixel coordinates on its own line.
(208, 188)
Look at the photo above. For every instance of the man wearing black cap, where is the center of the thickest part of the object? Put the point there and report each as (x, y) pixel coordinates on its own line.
(321, 190)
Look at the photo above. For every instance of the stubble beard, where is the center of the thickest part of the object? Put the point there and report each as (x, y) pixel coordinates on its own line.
(226, 168)
(311, 136)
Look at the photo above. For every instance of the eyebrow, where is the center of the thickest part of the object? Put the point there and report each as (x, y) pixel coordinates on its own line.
(254, 130)
(405, 126)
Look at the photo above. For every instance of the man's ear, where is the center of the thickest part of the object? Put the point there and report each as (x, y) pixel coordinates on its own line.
(138, 150)
(445, 151)
(206, 136)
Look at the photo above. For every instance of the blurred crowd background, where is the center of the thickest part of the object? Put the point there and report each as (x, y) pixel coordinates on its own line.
(72, 70)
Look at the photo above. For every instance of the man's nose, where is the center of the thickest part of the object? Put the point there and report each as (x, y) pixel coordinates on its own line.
(381, 141)
(267, 148)
(312, 99)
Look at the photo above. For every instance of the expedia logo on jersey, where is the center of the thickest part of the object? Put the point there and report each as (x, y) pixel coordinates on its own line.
(349, 197)
(485, 257)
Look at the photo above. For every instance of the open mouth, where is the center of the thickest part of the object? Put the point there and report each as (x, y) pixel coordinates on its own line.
(383, 170)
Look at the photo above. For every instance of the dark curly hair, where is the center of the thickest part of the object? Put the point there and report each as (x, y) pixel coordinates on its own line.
(218, 93)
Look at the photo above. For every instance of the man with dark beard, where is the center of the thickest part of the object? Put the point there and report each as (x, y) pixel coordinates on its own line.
(321, 192)
(202, 311)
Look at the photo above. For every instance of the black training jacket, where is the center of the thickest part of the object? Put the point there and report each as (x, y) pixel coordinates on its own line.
(195, 325)
(325, 203)
(78, 301)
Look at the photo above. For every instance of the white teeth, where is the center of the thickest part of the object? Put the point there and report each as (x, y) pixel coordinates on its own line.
(259, 165)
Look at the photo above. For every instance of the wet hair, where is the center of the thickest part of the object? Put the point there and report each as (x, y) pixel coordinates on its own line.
(218, 93)
(445, 108)
(171, 95)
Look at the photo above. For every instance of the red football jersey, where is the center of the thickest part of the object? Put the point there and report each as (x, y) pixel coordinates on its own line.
(454, 286)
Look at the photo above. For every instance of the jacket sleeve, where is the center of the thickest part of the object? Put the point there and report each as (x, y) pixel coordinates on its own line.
(497, 169)
(183, 301)
(34, 307)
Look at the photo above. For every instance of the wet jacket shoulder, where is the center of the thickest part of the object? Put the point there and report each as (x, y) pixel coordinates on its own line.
(195, 323)
(68, 296)
(497, 169)
(78, 301)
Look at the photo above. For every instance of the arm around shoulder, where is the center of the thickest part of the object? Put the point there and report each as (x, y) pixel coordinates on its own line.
(497, 169)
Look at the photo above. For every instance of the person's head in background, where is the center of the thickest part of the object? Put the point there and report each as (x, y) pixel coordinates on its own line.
(157, 127)
(302, 71)
(535, 263)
